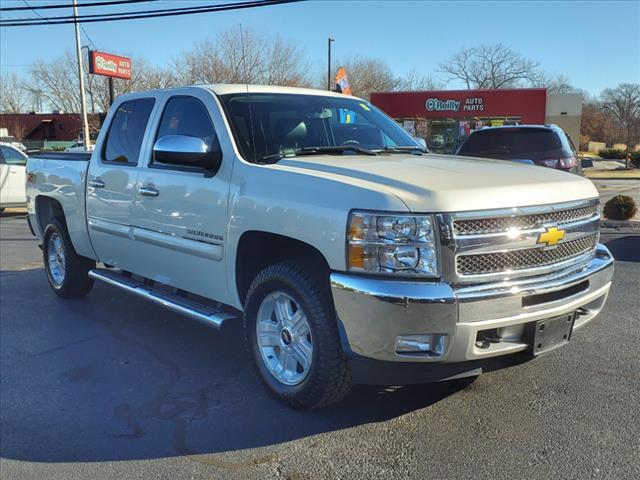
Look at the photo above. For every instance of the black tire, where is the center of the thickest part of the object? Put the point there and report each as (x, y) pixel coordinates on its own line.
(329, 378)
(75, 281)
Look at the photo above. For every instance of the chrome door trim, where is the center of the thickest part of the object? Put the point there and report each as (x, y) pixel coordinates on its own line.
(177, 243)
(105, 226)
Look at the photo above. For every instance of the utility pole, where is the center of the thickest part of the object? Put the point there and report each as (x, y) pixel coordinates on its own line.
(83, 103)
(329, 79)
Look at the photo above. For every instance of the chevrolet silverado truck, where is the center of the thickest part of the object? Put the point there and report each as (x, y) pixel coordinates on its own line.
(349, 252)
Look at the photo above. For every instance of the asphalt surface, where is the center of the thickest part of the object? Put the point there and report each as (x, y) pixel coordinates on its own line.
(112, 387)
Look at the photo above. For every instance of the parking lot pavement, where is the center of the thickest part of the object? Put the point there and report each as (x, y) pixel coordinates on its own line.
(112, 387)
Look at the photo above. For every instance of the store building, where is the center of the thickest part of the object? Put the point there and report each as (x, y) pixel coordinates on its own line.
(445, 118)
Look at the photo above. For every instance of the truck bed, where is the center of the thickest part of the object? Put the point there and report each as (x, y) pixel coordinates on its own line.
(61, 177)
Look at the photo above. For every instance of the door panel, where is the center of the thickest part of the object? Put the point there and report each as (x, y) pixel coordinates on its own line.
(112, 183)
(183, 227)
(5, 195)
(17, 184)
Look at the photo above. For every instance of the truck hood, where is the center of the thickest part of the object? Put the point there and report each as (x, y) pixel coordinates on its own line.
(442, 183)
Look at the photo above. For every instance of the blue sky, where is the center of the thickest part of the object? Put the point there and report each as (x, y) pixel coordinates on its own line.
(595, 43)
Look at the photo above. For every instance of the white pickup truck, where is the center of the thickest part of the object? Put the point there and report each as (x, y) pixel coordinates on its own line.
(349, 252)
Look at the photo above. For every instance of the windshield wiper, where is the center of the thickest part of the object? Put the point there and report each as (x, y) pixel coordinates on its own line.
(404, 149)
(335, 149)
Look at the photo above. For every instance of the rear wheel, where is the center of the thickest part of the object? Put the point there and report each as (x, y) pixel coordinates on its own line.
(291, 332)
(67, 272)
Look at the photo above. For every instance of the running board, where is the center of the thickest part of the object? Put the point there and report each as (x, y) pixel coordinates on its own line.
(198, 311)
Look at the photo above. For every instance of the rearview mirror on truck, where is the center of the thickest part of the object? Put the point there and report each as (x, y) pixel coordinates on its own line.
(187, 151)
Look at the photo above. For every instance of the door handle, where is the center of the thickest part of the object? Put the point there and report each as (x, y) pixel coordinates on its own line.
(96, 183)
(149, 191)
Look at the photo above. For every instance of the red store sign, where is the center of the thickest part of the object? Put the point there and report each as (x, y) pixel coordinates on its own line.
(109, 65)
(527, 103)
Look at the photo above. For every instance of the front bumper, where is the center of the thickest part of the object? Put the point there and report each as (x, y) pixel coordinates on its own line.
(372, 313)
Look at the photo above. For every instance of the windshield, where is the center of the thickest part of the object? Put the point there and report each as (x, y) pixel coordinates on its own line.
(513, 143)
(269, 126)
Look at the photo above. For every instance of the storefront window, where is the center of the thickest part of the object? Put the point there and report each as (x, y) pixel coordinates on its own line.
(445, 135)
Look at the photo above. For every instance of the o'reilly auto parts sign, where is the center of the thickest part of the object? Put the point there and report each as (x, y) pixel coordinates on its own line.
(109, 65)
(475, 104)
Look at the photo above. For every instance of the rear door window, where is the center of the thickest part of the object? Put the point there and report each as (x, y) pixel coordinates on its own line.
(513, 144)
(126, 132)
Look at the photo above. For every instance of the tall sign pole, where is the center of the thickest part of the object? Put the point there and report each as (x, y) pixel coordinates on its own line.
(83, 103)
(329, 79)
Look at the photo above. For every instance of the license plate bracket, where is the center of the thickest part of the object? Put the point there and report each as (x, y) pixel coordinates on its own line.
(545, 335)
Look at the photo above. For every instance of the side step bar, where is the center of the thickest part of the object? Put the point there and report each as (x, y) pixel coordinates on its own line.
(200, 312)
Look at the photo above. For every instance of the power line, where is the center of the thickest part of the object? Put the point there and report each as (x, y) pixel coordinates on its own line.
(38, 14)
(83, 18)
(31, 8)
(142, 14)
(58, 6)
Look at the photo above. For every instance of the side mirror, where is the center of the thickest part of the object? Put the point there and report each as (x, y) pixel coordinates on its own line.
(187, 151)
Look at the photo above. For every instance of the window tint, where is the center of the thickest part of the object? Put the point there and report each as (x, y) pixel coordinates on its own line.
(11, 156)
(513, 143)
(188, 116)
(127, 131)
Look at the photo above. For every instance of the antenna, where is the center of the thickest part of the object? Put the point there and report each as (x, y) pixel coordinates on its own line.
(246, 82)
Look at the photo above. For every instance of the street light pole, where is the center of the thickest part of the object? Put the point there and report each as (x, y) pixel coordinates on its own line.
(83, 103)
(329, 82)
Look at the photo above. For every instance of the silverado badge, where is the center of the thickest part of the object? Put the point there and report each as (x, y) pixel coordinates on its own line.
(551, 236)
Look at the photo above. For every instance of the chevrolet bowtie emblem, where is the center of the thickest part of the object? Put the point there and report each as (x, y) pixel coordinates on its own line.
(551, 236)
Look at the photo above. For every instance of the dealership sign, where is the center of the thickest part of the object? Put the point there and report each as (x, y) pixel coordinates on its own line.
(109, 65)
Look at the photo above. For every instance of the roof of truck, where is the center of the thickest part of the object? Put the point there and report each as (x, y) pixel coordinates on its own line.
(227, 88)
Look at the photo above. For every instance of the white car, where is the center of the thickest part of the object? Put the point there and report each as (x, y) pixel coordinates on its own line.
(12, 141)
(12, 177)
(348, 252)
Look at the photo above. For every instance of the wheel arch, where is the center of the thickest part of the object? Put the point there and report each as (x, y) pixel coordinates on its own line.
(258, 249)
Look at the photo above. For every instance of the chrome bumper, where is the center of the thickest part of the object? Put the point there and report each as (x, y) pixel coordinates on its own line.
(372, 313)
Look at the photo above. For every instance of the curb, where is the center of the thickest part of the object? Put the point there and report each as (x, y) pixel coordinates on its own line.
(619, 226)
(611, 178)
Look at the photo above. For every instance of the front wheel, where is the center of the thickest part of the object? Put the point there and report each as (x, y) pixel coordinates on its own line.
(67, 272)
(292, 334)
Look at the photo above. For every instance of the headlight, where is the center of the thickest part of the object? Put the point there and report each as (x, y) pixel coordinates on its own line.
(392, 244)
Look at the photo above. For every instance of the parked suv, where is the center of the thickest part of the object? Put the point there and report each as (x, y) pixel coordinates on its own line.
(545, 145)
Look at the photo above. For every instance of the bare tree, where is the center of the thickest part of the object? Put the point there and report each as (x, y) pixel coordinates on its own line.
(489, 66)
(623, 103)
(14, 97)
(251, 57)
(57, 81)
(414, 81)
(14, 125)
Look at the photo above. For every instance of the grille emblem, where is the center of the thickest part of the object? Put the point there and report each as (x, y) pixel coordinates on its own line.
(551, 236)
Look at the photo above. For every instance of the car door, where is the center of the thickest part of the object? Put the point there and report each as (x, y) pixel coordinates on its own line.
(13, 175)
(181, 211)
(112, 182)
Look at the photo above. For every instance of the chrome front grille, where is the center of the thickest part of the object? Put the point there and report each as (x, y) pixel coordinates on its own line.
(480, 226)
(489, 245)
(527, 258)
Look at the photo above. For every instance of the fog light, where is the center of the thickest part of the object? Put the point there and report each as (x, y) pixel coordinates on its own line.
(428, 345)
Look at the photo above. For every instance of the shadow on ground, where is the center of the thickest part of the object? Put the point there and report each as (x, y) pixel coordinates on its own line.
(625, 248)
(111, 377)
